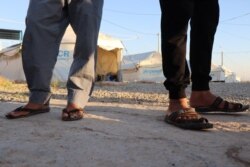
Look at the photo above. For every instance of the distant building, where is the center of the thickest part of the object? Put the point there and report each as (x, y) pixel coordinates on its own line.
(223, 74)
(9, 37)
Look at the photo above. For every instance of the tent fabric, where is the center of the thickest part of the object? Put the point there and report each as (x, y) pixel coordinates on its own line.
(108, 61)
(143, 67)
(11, 51)
(11, 64)
(148, 67)
(105, 41)
(109, 43)
(146, 59)
(109, 52)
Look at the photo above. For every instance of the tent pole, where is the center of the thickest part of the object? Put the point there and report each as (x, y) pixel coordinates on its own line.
(222, 58)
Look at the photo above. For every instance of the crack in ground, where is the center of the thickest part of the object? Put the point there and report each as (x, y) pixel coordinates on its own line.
(233, 153)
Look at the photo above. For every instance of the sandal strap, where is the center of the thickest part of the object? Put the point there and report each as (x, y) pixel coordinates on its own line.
(186, 116)
(202, 119)
(235, 106)
(22, 108)
(217, 102)
(28, 111)
(174, 115)
(226, 105)
(70, 114)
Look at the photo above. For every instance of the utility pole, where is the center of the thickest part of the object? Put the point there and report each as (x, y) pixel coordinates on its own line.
(158, 38)
(222, 58)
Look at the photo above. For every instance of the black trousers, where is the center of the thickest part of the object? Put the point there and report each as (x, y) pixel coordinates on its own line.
(203, 16)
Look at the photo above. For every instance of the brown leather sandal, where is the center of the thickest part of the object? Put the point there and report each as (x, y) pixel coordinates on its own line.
(236, 107)
(72, 115)
(26, 112)
(188, 119)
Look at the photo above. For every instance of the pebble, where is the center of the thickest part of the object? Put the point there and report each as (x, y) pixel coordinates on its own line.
(134, 93)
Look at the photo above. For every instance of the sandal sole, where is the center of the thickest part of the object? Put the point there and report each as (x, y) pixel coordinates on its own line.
(29, 114)
(191, 126)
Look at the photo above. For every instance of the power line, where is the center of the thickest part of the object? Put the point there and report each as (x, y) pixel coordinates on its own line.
(241, 37)
(232, 52)
(132, 13)
(236, 17)
(236, 24)
(11, 21)
(128, 29)
(125, 28)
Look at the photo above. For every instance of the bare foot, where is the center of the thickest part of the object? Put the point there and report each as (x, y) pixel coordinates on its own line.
(29, 105)
(201, 98)
(177, 104)
(206, 98)
(27, 110)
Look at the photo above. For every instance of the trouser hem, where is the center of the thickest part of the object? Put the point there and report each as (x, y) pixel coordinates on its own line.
(200, 87)
(177, 94)
(38, 97)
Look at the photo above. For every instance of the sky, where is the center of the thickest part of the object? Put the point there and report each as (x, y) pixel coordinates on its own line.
(137, 24)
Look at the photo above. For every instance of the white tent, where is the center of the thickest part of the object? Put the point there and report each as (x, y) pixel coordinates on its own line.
(11, 64)
(108, 61)
(143, 67)
(223, 74)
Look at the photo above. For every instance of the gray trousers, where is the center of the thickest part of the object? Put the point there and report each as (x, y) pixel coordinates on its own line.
(46, 23)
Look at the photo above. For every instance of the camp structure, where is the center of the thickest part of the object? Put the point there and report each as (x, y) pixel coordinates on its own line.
(222, 74)
(110, 54)
(143, 67)
(108, 59)
(11, 64)
(10, 55)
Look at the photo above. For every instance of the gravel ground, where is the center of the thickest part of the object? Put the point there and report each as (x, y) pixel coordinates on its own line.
(131, 93)
(118, 131)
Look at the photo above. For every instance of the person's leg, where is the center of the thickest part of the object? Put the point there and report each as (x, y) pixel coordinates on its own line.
(174, 23)
(203, 27)
(85, 18)
(46, 22)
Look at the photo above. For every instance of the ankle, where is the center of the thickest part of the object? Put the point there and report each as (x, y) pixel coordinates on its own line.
(198, 98)
(72, 106)
(31, 105)
(178, 104)
(200, 93)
